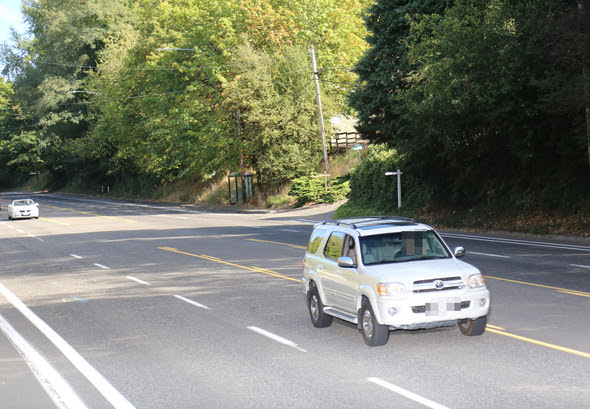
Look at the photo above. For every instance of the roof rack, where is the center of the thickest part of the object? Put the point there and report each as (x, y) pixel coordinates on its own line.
(355, 222)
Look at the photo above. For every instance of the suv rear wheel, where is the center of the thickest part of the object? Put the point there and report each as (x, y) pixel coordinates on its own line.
(473, 327)
(319, 318)
(374, 333)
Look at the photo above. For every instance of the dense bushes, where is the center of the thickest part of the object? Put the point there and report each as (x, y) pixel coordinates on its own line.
(311, 189)
(370, 187)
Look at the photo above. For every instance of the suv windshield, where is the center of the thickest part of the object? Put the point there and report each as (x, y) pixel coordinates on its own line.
(402, 246)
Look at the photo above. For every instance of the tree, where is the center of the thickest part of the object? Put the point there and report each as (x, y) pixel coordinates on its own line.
(468, 105)
(135, 89)
(566, 54)
(182, 113)
(51, 65)
(278, 116)
(476, 105)
(383, 68)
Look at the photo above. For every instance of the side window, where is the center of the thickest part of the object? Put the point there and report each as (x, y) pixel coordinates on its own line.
(334, 246)
(315, 240)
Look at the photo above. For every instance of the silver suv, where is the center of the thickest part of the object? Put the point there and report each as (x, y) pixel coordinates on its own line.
(388, 273)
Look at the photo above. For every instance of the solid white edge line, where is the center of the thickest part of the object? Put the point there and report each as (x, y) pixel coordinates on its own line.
(94, 377)
(277, 338)
(519, 242)
(486, 254)
(407, 394)
(289, 230)
(101, 266)
(180, 297)
(308, 221)
(59, 391)
(138, 280)
(579, 265)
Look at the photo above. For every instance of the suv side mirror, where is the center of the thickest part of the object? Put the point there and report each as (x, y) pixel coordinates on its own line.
(346, 262)
(460, 251)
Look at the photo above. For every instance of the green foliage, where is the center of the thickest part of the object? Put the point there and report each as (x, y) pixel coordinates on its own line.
(466, 103)
(370, 188)
(311, 189)
(217, 199)
(279, 200)
(278, 126)
(384, 67)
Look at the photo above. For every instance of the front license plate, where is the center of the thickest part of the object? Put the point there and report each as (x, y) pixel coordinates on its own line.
(441, 306)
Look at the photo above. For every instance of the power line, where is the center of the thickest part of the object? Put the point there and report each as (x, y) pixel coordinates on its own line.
(102, 68)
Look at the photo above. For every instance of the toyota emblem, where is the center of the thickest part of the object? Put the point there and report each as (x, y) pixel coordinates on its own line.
(438, 284)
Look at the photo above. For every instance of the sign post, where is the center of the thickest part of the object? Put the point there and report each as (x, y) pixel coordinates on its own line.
(358, 148)
(399, 174)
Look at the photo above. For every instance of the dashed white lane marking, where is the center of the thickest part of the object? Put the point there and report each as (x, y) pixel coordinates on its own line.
(101, 266)
(579, 265)
(94, 377)
(35, 237)
(57, 388)
(277, 338)
(138, 280)
(307, 221)
(75, 256)
(407, 394)
(171, 217)
(180, 297)
(289, 230)
(488, 255)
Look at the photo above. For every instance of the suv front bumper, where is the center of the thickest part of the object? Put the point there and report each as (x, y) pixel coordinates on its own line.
(419, 311)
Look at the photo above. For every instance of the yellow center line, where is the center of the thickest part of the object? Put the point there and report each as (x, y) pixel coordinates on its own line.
(55, 221)
(91, 214)
(217, 260)
(493, 326)
(276, 242)
(541, 343)
(580, 293)
(540, 285)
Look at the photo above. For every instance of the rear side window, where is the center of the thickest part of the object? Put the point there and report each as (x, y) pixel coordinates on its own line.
(315, 240)
(334, 245)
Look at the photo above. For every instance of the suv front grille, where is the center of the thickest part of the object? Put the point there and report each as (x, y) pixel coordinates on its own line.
(437, 284)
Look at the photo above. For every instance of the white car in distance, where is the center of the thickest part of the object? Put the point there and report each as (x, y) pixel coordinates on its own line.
(23, 209)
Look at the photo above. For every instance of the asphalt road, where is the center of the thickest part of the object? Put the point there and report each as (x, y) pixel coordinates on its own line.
(110, 304)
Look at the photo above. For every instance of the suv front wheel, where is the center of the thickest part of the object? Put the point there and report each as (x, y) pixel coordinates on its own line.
(374, 333)
(319, 318)
(473, 327)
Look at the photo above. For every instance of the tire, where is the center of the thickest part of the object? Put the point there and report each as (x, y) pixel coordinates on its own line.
(473, 327)
(374, 333)
(319, 318)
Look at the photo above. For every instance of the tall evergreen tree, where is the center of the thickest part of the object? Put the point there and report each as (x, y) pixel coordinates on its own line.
(384, 67)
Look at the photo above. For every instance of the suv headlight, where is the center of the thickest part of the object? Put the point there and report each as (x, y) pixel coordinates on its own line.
(476, 281)
(391, 289)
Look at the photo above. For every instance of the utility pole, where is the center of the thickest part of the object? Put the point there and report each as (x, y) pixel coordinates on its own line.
(317, 93)
(242, 181)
